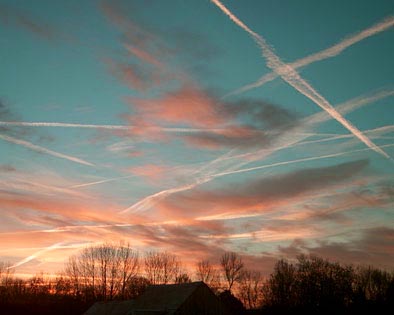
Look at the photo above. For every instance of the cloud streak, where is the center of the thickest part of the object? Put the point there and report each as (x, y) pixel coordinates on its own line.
(40, 149)
(94, 126)
(147, 202)
(291, 76)
(327, 156)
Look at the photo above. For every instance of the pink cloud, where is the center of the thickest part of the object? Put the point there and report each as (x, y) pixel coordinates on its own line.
(152, 172)
(144, 56)
(189, 105)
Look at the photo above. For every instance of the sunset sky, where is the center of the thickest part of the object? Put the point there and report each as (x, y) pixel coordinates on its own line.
(261, 127)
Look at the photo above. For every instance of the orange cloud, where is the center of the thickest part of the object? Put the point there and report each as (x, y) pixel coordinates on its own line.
(189, 105)
(152, 172)
(144, 56)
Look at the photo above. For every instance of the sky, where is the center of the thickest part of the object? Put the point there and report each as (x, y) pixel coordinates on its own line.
(197, 127)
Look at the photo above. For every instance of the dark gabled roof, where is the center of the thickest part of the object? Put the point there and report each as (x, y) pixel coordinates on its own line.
(110, 308)
(162, 299)
(168, 297)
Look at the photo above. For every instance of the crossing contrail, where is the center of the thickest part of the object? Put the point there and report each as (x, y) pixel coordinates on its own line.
(291, 76)
(330, 52)
(40, 149)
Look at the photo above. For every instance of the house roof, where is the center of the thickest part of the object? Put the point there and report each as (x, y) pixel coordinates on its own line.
(167, 297)
(156, 300)
(110, 308)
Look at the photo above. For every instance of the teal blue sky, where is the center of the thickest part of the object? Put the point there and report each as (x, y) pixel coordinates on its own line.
(144, 121)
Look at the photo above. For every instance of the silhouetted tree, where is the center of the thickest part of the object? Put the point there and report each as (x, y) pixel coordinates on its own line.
(136, 286)
(182, 278)
(372, 284)
(322, 284)
(280, 289)
(204, 271)
(102, 271)
(232, 266)
(250, 289)
(161, 267)
(207, 273)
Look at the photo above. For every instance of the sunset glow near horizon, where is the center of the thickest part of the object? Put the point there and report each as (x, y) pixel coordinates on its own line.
(197, 127)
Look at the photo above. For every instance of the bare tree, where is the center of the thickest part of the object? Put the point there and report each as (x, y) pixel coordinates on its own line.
(182, 278)
(204, 271)
(161, 267)
(209, 274)
(128, 267)
(250, 289)
(232, 266)
(6, 274)
(72, 271)
(103, 270)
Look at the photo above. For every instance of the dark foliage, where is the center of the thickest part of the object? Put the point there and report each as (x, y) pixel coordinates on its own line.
(310, 285)
(317, 286)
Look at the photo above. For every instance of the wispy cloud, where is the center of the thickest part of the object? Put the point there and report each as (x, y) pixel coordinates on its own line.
(19, 18)
(260, 195)
(148, 202)
(291, 76)
(376, 241)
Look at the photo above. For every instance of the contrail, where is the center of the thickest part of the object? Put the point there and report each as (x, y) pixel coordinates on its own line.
(296, 136)
(327, 156)
(324, 54)
(35, 255)
(62, 125)
(108, 127)
(147, 202)
(101, 181)
(40, 149)
(350, 106)
(290, 75)
(105, 127)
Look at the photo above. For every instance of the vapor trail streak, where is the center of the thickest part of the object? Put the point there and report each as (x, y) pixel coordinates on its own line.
(327, 156)
(289, 74)
(147, 202)
(35, 255)
(105, 127)
(324, 54)
(40, 149)
(350, 106)
(101, 181)
(62, 125)
(293, 137)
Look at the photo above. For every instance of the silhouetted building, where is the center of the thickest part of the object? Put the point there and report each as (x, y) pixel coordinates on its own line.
(194, 298)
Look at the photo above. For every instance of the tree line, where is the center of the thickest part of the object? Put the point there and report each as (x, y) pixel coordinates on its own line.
(117, 272)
